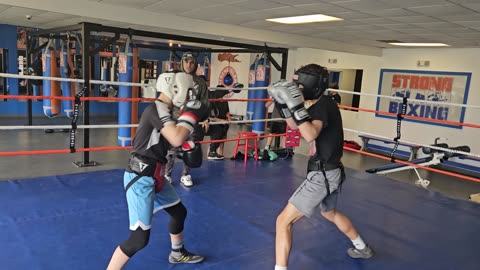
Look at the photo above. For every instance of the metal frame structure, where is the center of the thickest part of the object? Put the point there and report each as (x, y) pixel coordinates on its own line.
(88, 49)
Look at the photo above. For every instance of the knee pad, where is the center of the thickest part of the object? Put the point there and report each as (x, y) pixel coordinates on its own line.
(177, 213)
(138, 239)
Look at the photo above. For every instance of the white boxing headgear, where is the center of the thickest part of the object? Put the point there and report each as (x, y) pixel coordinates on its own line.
(175, 86)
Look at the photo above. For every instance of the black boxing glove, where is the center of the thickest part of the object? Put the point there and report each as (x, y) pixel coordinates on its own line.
(237, 88)
(192, 154)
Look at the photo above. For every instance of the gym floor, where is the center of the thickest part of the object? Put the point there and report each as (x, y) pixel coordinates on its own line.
(64, 217)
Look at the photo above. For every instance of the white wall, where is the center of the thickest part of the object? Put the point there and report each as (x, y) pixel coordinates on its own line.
(347, 82)
(455, 60)
(241, 70)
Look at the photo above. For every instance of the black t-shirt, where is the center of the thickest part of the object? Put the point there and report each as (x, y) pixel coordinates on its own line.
(329, 143)
(220, 109)
(337, 98)
(148, 140)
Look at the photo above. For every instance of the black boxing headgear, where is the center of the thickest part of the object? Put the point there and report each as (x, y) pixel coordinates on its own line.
(189, 56)
(314, 79)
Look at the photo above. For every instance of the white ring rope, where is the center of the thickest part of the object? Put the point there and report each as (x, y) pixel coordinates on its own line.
(17, 76)
(417, 144)
(31, 77)
(234, 88)
(125, 125)
(121, 83)
(401, 99)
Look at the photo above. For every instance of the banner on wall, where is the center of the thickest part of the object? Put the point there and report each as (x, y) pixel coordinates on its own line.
(435, 86)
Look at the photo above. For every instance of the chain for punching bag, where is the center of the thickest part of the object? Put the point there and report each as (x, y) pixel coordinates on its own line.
(399, 127)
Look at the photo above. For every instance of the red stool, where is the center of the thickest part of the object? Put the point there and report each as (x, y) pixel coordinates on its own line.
(246, 136)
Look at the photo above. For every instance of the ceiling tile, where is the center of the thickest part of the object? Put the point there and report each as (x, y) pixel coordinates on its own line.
(393, 12)
(259, 23)
(351, 32)
(456, 30)
(470, 36)
(399, 26)
(473, 24)
(464, 1)
(462, 18)
(415, 3)
(415, 31)
(442, 10)
(295, 2)
(373, 43)
(364, 5)
(276, 12)
(129, 3)
(177, 6)
(3, 7)
(375, 21)
(326, 9)
(20, 13)
(436, 25)
(257, 4)
(350, 15)
(415, 19)
(474, 6)
(70, 21)
(325, 35)
(335, 24)
(207, 13)
(463, 43)
(433, 37)
(244, 18)
(388, 33)
(365, 27)
(50, 17)
(344, 38)
(226, 1)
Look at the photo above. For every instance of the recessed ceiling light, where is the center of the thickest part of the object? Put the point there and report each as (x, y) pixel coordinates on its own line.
(419, 44)
(305, 19)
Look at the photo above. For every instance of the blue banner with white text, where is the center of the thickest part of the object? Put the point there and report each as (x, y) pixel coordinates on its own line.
(441, 90)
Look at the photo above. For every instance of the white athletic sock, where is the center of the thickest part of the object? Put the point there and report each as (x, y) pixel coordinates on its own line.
(177, 246)
(280, 267)
(358, 243)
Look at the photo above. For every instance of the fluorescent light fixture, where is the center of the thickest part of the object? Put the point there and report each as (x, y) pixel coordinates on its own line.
(419, 44)
(305, 19)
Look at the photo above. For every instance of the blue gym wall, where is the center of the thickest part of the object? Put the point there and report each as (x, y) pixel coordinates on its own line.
(8, 40)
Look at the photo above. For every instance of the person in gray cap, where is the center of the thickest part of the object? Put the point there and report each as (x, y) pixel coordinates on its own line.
(189, 65)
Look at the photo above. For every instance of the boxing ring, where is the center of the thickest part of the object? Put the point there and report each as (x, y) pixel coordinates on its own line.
(74, 221)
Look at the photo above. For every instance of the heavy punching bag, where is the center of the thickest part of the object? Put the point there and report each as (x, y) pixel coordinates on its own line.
(125, 71)
(262, 79)
(65, 72)
(251, 93)
(51, 107)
